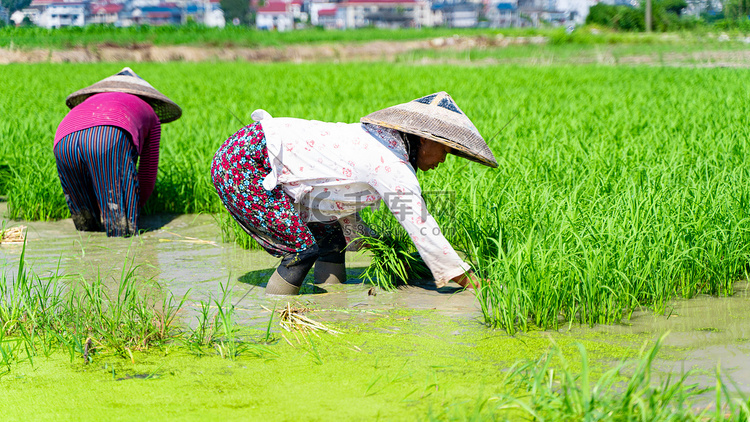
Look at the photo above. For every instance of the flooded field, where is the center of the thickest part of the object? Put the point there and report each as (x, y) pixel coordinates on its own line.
(410, 352)
(621, 192)
(185, 253)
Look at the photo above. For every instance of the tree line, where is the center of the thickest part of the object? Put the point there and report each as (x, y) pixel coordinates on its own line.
(669, 15)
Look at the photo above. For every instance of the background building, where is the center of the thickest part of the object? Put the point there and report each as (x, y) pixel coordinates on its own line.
(286, 15)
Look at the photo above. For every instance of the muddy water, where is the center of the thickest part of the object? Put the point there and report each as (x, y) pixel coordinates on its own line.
(185, 253)
(708, 331)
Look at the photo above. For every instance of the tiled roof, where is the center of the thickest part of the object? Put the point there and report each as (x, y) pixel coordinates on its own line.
(354, 2)
(105, 8)
(273, 7)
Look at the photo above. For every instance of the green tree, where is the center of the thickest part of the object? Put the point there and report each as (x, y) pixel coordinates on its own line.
(601, 14)
(616, 17)
(666, 16)
(737, 9)
(239, 9)
(673, 6)
(13, 5)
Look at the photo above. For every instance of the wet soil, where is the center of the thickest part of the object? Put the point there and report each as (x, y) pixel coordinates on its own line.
(185, 253)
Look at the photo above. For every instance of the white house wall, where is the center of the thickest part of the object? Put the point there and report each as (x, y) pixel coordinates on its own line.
(56, 16)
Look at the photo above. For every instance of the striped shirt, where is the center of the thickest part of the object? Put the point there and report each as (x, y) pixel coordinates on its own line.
(129, 113)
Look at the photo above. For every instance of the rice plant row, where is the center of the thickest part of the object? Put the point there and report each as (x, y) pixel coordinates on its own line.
(618, 188)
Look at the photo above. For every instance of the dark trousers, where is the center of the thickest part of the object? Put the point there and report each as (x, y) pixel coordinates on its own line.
(97, 168)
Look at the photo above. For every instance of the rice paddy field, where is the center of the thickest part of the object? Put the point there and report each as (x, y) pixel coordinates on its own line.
(622, 192)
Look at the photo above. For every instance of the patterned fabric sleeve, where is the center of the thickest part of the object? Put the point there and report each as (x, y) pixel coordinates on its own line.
(149, 162)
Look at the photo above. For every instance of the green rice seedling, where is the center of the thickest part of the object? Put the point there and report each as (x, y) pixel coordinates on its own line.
(736, 407)
(218, 329)
(393, 261)
(87, 318)
(268, 338)
(618, 188)
(205, 332)
(8, 352)
(244, 36)
(232, 232)
(35, 194)
(227, 345)
(550, 389)
(124, 319)
(166, 316)
(553, 388)
(26, 301)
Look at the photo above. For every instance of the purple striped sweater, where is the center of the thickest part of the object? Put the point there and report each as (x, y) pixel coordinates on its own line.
(129, 113)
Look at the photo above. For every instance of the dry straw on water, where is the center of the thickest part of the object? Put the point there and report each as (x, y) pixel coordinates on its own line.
(292, 318)
(12, 235)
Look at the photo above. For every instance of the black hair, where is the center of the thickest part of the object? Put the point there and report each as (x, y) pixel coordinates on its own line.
(412, 143)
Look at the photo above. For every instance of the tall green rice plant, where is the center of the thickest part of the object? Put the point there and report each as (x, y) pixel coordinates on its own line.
(231, 231)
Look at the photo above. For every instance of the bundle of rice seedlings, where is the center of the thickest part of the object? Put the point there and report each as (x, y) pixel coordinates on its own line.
(394, 261)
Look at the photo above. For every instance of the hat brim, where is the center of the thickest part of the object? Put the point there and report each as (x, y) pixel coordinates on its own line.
(438, 118)
(456, 148)
(166, 109)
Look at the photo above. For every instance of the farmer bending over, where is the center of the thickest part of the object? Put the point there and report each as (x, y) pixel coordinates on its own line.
(296, 185)
(97, 145)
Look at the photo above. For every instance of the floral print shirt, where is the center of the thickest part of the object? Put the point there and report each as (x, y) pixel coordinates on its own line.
(333, 170)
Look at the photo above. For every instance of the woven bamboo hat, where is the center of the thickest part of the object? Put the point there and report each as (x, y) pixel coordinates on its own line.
(437, 117)
(128, 82)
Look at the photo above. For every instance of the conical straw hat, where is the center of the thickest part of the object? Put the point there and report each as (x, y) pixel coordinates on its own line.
(437, 117)
(128, 82)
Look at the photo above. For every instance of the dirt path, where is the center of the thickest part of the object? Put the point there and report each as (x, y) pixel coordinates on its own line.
(375, 50)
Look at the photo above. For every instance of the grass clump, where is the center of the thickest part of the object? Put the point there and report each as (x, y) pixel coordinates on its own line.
(82, 318)
(5, 175)
(232, 232)
(551, 389)
(39, 315)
